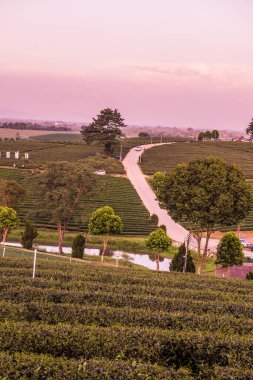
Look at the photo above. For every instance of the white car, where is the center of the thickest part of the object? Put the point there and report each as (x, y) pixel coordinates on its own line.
(138, 148)
(100, 172)
(245, 243)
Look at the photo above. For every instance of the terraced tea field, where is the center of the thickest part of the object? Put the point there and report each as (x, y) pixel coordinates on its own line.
(41, 152)
(114, 191)
(81, 321)
(166, 157)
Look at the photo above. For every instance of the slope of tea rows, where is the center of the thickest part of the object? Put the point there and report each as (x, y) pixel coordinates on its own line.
(80, 321)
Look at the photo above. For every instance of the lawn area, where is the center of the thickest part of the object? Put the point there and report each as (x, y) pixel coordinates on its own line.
(166, 157)
(100, 322)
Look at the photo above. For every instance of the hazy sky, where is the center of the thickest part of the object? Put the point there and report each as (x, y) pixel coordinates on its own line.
(161, 62)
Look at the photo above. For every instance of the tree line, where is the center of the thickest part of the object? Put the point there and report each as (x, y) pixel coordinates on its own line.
(34, 126)
(209, 135)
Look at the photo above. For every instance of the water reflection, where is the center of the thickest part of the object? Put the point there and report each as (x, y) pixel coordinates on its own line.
(150, 261)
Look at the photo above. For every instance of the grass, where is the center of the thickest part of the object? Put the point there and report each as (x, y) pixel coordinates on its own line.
(132, 244)
(166, 157)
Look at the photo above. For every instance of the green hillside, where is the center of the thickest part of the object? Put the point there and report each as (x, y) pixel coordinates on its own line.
(116, 192)
(81, 321)
(166, 157)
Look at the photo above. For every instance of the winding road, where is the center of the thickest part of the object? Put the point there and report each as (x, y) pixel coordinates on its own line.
(148, 197)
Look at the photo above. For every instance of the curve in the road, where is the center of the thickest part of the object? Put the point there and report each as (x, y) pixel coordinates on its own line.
(148, 197)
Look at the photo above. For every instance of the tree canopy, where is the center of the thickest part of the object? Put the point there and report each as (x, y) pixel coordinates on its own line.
(61, 187)
(10, 192)
(104, 221)
(230, 250)
(208, 135)
(208, 193)
(158, 240)
(8, 220)
(104, 129)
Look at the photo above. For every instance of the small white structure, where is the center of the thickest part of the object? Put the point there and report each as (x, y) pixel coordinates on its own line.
(26, 156)
(8, 154)
(17, 155)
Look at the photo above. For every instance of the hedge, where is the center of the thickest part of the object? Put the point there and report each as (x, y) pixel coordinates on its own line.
(162, 347)
(41, 367)
(52, 313)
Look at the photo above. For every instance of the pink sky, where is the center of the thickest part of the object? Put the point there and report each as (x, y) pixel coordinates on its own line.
(161, 62)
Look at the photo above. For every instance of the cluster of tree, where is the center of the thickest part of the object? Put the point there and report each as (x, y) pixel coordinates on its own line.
(144, 135)
(208, 193)
(105, 129)
(34, 126)
(209, 135)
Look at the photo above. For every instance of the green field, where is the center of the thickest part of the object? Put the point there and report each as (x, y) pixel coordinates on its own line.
(116, 192)
(42, 152)
(58, 137)
(166, 157)
(83, 321)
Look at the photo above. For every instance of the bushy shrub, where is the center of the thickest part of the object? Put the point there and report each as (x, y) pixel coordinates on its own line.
(158, 240)
(29, 234)
(78, 246)
(177, 263)
(230, 250)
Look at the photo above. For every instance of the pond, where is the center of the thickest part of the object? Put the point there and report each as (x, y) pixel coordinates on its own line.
(151, 261)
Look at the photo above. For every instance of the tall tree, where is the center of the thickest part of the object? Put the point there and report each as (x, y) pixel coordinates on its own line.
(28, 235)
(104, 129)
(61, 187)
(207, 193)
(10, 192)
(215, 134)
(249, 129)
(177, 263)
(103, 221)
(8, 221)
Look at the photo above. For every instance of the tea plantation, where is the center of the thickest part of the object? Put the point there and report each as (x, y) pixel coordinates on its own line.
(166, 157)
(116, 192)
(81, 321)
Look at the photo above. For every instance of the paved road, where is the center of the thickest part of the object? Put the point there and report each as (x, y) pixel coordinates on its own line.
(148, 197)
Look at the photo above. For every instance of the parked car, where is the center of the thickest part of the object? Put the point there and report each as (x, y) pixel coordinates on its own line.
(245, 243)
(138, 148)
(100, 172)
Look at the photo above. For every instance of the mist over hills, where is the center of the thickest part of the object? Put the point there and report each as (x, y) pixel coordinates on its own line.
(130, 130)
